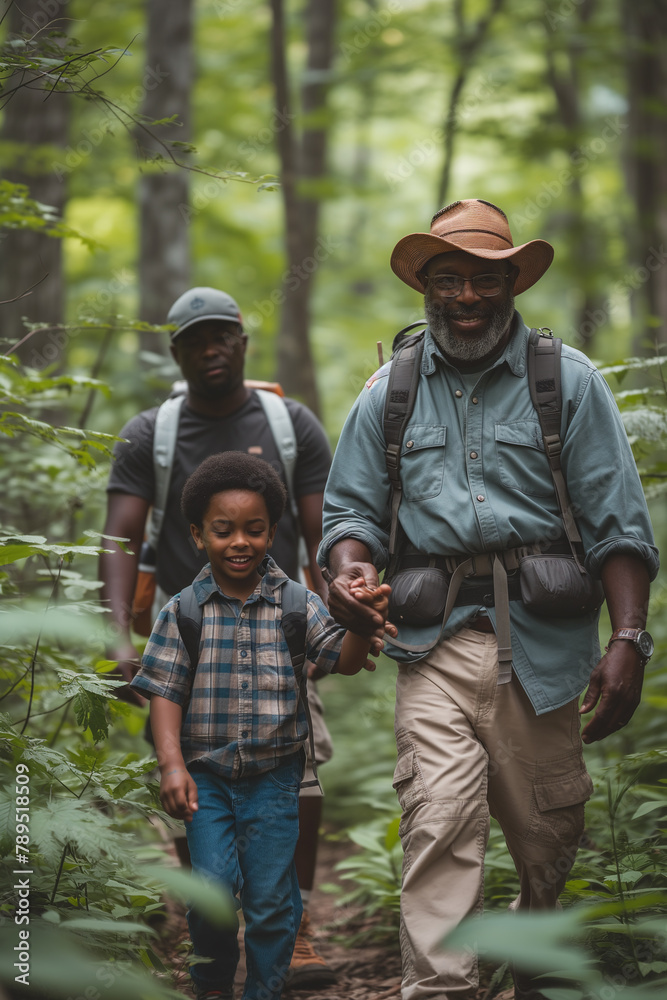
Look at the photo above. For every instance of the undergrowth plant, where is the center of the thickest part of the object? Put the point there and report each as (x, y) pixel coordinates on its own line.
(75, 812)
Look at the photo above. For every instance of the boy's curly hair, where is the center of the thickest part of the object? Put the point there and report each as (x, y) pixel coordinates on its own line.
(232, 470)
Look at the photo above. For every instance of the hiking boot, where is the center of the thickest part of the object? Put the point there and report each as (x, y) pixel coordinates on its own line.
(204, 993)
(307, 968)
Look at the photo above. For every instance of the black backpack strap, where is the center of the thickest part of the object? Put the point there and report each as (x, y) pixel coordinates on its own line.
(295, 624)
(189, 619)
(544, 353)
(402, 388)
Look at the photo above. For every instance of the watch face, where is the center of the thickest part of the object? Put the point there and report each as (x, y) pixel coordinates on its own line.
(645, 643)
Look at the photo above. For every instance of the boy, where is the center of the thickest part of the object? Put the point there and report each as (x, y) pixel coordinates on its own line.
(229, 740)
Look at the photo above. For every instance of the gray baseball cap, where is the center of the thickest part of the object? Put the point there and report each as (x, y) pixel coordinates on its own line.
(199, 304)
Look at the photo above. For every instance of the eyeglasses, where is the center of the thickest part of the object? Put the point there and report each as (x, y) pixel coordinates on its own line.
(451, 285)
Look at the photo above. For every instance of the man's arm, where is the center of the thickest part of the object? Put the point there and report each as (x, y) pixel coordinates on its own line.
(616, 682)
(126, 518)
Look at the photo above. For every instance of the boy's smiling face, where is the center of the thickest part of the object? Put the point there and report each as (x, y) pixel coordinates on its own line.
(236, 534)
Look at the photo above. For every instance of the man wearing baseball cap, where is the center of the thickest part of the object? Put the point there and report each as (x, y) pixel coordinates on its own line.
(220, 413)
(489, 670)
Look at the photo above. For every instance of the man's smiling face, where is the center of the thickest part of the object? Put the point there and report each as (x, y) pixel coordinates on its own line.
(468, 326)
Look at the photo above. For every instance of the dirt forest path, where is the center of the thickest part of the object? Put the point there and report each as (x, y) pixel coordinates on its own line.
(365, 971)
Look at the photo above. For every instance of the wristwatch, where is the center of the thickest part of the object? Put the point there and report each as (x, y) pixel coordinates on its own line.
(640, 639)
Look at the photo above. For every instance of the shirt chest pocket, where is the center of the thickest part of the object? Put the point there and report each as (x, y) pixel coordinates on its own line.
(423, 461)
(522, 462)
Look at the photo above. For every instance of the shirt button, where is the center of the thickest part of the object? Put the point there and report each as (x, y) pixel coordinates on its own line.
(480, 498)
(244, 685)
(409, 444)
(244, 652)
(244, 733)
(243, 614)
(458, 393)
(473, 454)
(475, 399)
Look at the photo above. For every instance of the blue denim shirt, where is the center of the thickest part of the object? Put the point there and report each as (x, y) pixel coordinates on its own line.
(476, 479)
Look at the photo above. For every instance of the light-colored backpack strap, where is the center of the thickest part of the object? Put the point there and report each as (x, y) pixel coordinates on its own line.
(282, 428)
(164, 445)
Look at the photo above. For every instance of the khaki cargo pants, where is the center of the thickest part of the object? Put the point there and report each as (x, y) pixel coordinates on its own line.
(468, 747)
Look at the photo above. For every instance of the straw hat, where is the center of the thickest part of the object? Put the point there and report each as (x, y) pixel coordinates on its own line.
(479, 228)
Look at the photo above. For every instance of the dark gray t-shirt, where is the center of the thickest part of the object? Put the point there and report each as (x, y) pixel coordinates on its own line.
(178, 560)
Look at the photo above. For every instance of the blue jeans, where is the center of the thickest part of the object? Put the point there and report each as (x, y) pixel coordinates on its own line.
(243, 836)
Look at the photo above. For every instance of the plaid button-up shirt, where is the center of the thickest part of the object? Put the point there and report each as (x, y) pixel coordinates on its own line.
(243, 712)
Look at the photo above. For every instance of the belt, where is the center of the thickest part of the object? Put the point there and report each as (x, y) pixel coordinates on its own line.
(492, 586)
(480, 623)
(481, 591)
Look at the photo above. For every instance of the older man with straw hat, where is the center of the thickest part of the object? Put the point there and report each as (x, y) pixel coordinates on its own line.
(490, 474)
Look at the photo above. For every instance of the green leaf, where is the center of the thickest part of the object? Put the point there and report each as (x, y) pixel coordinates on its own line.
(214, 901)
(532, 941)
(649, 807)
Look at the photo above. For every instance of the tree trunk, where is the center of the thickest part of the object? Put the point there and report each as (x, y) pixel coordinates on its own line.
(32, 118)
(164, 251)
(301, 170)
(466, 47)
(645, 24)
(584, 243)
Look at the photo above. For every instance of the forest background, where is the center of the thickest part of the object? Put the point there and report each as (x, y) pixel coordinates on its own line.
(278, 151)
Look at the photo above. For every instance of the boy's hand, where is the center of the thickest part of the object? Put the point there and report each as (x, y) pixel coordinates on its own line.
(178, 793)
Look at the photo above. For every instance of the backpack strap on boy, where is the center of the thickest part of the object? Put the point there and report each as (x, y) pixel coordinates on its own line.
(294, 600)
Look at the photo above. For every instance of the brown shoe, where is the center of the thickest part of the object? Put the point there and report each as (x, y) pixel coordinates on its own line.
(307, 968)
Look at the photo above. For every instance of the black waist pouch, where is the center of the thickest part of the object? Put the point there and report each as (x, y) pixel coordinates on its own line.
(553, 586)
(418, 595)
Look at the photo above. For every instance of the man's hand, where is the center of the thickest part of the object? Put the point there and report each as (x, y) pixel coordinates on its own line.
(128, 664)
(616, 683)
(358, 616)
(615, 687)
(378, 599)
(178, 793)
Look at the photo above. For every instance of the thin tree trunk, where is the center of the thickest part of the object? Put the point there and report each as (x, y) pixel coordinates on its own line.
(467, 45)
(583, 241)
(33, 118)
(164, 250)
(301, 170)
(645, 31)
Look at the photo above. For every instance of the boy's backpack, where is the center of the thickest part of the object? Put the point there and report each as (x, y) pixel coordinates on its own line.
(544, 352)
(270, 395)
(294, 624)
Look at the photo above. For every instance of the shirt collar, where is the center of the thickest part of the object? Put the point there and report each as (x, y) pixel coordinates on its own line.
(272, 578)
(514, 354)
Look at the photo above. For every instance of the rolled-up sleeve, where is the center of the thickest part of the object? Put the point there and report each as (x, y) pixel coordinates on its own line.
(165, 664)
(356, 499)
(603, 482)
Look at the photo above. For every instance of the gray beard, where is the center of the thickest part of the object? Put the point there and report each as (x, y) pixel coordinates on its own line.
(472, 348)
